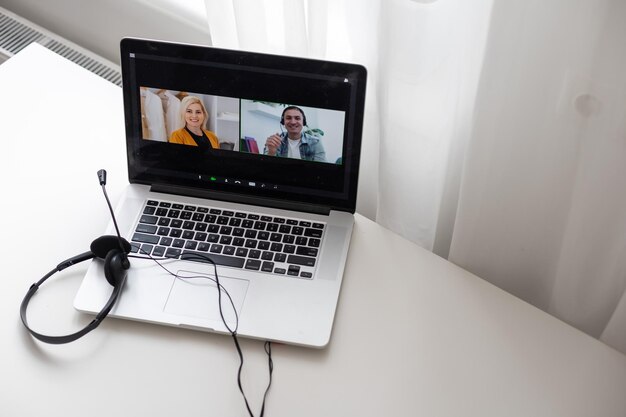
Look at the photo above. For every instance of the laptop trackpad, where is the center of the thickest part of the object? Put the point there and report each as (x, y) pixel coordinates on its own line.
(195, 295)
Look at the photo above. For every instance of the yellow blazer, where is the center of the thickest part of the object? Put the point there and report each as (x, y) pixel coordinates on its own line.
(182, 136)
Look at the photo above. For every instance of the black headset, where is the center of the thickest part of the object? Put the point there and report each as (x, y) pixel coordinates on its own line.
(282, 116)
(113, 250)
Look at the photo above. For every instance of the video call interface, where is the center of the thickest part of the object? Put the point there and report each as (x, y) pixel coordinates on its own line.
(240, 125)
(279, 129)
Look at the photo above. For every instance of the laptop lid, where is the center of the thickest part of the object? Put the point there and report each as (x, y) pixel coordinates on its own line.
(245, 95)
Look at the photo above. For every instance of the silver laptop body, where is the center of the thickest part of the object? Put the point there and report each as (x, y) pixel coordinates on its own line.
(277, 227)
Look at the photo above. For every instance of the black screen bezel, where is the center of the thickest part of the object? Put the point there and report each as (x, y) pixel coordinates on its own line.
(246, 75)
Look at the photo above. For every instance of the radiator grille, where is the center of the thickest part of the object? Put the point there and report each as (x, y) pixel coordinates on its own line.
(16, 33)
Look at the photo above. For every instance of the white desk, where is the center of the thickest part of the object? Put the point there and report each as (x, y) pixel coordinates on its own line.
(414, 335)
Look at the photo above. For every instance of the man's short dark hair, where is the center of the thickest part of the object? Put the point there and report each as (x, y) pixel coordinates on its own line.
(282, 116)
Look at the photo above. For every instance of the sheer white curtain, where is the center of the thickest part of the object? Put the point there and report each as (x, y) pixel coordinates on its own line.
(542, 212)
(495, 133)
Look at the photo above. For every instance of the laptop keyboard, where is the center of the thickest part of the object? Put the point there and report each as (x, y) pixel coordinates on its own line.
(238, 239)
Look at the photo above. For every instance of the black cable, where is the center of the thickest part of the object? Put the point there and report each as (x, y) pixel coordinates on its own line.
(270, 364)
(268, 345)
(216, 281)
(117, 229)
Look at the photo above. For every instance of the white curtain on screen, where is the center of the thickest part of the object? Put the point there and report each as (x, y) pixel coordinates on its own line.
(495, 133)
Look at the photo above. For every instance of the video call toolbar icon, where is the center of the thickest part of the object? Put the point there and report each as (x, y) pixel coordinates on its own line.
(232, 181)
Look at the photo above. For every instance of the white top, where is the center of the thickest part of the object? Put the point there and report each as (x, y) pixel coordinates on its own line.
(414, 334)
(153, 112)
(172, 112)
(294, 148)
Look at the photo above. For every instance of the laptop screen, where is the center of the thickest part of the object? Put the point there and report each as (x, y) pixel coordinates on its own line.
(270, 127)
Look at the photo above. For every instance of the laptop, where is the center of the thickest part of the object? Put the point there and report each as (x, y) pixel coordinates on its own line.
(248, 159)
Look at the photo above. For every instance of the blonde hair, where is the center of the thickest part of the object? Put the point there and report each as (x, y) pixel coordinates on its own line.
(188, 101)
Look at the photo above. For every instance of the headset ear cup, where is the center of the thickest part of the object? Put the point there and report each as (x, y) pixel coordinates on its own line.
(104, 244)
(114, 270)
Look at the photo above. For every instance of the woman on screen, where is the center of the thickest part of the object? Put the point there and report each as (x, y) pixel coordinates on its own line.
(194, 117)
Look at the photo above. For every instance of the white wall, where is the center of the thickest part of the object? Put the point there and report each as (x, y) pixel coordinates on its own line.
(332, 124)
(98, 25)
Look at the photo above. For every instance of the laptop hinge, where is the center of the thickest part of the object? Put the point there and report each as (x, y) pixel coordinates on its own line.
(240, 198)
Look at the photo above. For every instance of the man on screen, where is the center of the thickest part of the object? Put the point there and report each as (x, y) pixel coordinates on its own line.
(295, 143)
